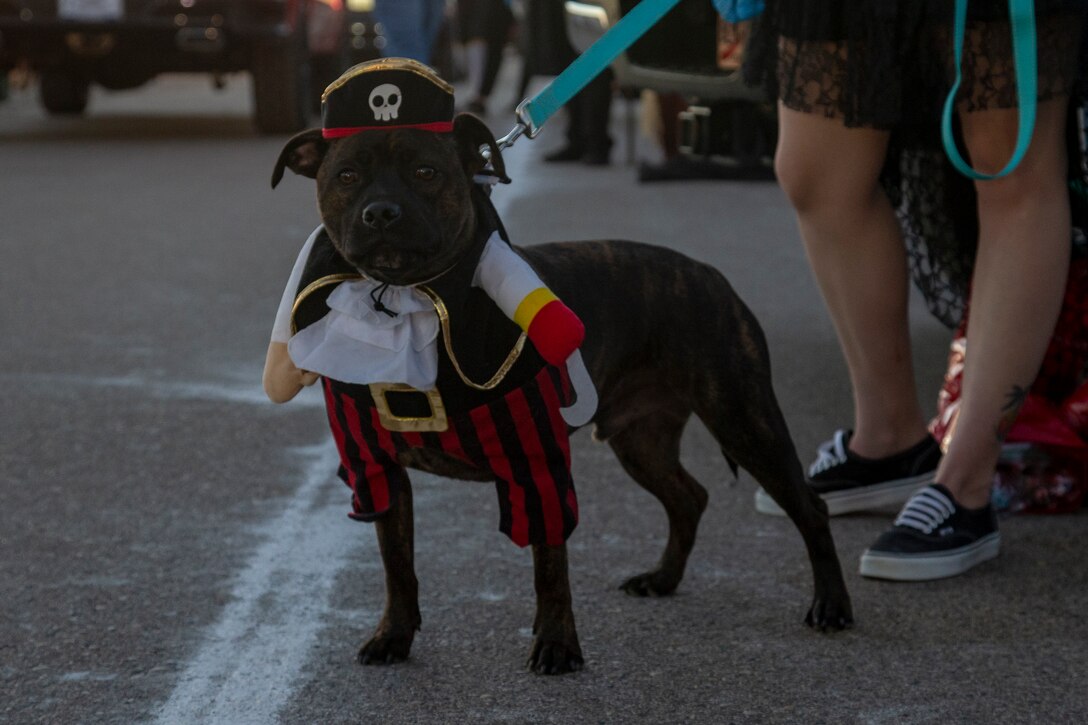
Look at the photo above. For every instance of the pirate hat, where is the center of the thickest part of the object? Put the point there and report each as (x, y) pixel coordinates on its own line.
(384, 94)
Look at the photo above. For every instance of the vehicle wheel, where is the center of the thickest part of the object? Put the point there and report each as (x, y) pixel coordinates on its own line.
(281, 87)
(64, 93)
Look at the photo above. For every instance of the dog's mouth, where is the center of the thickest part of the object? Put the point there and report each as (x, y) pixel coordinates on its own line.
(396, 267)
(392, 261)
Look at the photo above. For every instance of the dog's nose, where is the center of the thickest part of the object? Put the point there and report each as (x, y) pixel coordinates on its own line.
(381, 214)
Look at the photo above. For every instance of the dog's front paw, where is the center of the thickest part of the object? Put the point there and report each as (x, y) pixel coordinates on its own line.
(655, 583)
(830, 614)
(384, 650)
(554, 658)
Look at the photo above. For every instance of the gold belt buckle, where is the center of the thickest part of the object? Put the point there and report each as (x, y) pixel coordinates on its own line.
(436, 422)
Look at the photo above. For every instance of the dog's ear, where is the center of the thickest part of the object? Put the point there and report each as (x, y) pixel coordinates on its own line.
(302, 154)
(472, 135)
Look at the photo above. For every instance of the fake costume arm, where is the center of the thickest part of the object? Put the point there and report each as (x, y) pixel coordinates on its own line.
(511, 283)
(282, 378)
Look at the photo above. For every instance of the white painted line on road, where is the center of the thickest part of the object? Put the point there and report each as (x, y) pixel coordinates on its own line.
(247, 668)
(174, 389)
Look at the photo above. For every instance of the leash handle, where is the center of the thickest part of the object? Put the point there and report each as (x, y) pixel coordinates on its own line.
(1022, 22)
(534, 112)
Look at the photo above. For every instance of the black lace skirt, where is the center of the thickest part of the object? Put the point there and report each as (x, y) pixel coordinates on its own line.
(879, 63)
(888, 64)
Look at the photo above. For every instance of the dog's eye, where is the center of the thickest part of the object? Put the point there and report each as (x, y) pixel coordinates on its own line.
(347, 176)
(426, 173)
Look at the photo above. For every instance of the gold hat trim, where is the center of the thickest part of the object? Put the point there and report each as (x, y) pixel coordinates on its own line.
(404, 64)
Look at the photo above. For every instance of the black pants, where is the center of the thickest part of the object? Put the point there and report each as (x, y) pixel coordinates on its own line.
(489, 21)
(590, 114)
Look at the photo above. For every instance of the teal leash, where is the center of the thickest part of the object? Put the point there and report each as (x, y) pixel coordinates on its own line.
(1022, 22)
(534, 112)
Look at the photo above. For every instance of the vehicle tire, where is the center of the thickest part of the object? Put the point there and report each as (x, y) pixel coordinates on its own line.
(281, 86)
(63, 93)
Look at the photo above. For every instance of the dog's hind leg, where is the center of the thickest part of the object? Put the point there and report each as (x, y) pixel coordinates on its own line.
(752, 431)
(392, 639)
(649, 450)
(555, 644)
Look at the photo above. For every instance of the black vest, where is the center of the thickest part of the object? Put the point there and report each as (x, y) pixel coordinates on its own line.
(481, 334)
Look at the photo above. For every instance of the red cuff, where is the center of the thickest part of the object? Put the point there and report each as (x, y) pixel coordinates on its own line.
(556, 332)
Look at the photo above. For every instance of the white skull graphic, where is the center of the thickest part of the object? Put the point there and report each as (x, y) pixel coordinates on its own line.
(385, 102)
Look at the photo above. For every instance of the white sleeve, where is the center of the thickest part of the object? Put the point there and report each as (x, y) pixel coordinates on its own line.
(281, 329)
(505, 276)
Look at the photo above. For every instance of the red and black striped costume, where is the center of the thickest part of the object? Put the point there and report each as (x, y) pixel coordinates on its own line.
(520, 439)
(515, 433)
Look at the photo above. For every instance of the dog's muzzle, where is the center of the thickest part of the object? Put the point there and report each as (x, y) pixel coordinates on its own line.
(381, 215)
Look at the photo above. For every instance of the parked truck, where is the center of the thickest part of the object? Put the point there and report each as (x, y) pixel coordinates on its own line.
(292, 48)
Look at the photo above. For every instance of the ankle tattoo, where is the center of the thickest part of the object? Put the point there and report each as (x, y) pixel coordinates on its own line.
(1014, 400)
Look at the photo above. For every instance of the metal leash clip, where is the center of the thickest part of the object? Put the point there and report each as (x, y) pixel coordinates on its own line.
(524, 127)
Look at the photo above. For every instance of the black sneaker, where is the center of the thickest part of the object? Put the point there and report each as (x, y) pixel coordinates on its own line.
(847, 482)
(933, 537)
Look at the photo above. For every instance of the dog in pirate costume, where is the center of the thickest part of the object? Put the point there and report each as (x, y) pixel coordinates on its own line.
(441, 347)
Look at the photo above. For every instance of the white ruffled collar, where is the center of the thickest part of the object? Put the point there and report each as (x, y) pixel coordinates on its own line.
(356, 299)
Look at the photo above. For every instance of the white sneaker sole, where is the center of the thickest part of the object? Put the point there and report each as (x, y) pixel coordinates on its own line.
(923, 567)
(877, 496)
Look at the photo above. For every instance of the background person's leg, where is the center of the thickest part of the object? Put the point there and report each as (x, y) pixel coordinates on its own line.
(405, 33)
(499, 21)
(597, 104)
(1017, 287)
(831, 175)
(433, 17)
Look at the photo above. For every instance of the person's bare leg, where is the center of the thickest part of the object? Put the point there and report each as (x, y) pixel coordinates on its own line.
(1017, 288)
(831, 175)
(475, 66)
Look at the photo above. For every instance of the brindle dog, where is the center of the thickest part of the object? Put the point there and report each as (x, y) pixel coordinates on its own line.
(666, 337)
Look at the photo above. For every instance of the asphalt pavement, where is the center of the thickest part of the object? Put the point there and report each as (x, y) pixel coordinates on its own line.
(175, 549)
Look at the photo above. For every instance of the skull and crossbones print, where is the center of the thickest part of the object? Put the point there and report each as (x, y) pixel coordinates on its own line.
(385, 101)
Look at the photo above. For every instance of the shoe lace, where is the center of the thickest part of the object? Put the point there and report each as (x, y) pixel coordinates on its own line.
(830, 453)
(926, 510)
